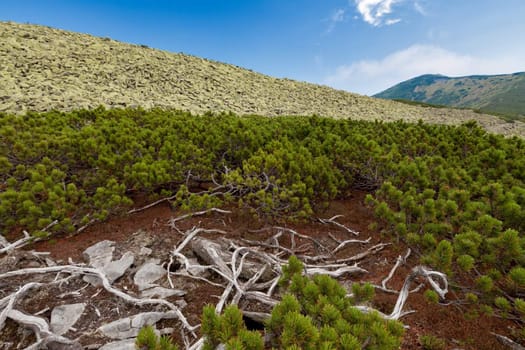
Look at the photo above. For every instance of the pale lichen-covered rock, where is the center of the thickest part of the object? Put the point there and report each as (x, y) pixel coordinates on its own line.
(126, 344)
(130, 326)
(64, 317)
(100, 256)
(161, 292)
(43, 69)
(147, 274)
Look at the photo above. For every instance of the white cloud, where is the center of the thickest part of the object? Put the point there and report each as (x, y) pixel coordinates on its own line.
(374, 11)
(419, 8)
(372, 76)
(337, 16)
(389, 22)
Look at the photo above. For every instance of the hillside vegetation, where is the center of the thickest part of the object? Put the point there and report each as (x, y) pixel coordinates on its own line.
(44, 69)
(455, 194)
(502, 94)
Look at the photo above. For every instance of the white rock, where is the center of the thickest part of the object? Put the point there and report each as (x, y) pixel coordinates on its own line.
(130, 326)
(115, 269)
(147, 274)
(100, 254)
(126, 344)
(145, 251)
(63, 317)
(161, 292)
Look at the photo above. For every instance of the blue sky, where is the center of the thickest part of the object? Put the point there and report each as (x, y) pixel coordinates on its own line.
(361, 46)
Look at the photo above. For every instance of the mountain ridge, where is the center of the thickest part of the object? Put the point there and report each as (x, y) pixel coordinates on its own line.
(44, 68)
(501, 93)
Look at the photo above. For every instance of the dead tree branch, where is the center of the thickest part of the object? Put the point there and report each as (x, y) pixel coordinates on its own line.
(400, 260)
(71, 269)
(172, 221)
(151, 205)
(333, 222)
(508, 342)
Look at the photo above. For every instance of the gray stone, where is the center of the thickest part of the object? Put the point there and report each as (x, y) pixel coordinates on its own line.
(63, 317)
(147, 274)
(117, 268)
(126, 344)
(52, 345)
(181, 303)
(130, 326)
(50, 262)
(161, 292)
(145, 251)
(99, 254)
(215, 254)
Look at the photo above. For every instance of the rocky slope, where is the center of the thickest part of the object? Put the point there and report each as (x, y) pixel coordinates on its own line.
(503, 94)
(43, 69)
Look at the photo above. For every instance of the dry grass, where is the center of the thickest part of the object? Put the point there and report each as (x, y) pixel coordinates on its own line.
(43, 69)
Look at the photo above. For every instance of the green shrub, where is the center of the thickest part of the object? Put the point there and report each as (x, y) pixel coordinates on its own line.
(431, 296)
(519, 306)
(485, 283)
(430, 342)
(148, 340)
(517, 275)
(228, 328)
(502, 304)
(314, 314)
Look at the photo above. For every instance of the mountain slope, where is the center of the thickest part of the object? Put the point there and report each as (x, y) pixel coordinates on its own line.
(42, 68)
(504, 94)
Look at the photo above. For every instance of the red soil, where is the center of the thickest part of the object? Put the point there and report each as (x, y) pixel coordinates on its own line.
(451, 323)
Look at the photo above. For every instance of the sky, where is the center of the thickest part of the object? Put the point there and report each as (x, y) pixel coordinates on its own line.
(362, 46)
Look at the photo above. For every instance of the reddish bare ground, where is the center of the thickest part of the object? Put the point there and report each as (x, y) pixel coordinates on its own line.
(452, 323)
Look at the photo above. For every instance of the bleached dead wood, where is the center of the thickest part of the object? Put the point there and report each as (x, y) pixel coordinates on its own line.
(151, 205)
(372, 250)
(335, 273)
(41, 329)
(333, 222)
(400, 260)
(417, 271)
(7, 303)
(508, 342)
(259, 317)
(350, 241)
(71, 269)
(191, 234)
(318, 258)
(17, 244)
(218, 255)
(172, 221)
(293, 233)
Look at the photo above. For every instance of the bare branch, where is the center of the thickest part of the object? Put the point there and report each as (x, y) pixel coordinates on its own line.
(333, 222)
(106, 284)
(429, 275)
(17, 244)
(167, 199)
(508, 342)
(400, 260)
(172, 221)
(336, 273)
(40, 327)
(193, 233)
(351, 241)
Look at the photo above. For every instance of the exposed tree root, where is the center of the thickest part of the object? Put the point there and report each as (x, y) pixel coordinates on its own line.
(244, 269)
(71, 269)
(508, 342)
(333, 222)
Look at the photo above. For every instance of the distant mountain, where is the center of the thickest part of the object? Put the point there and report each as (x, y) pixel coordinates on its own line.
(503, 94)
(43, 68)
